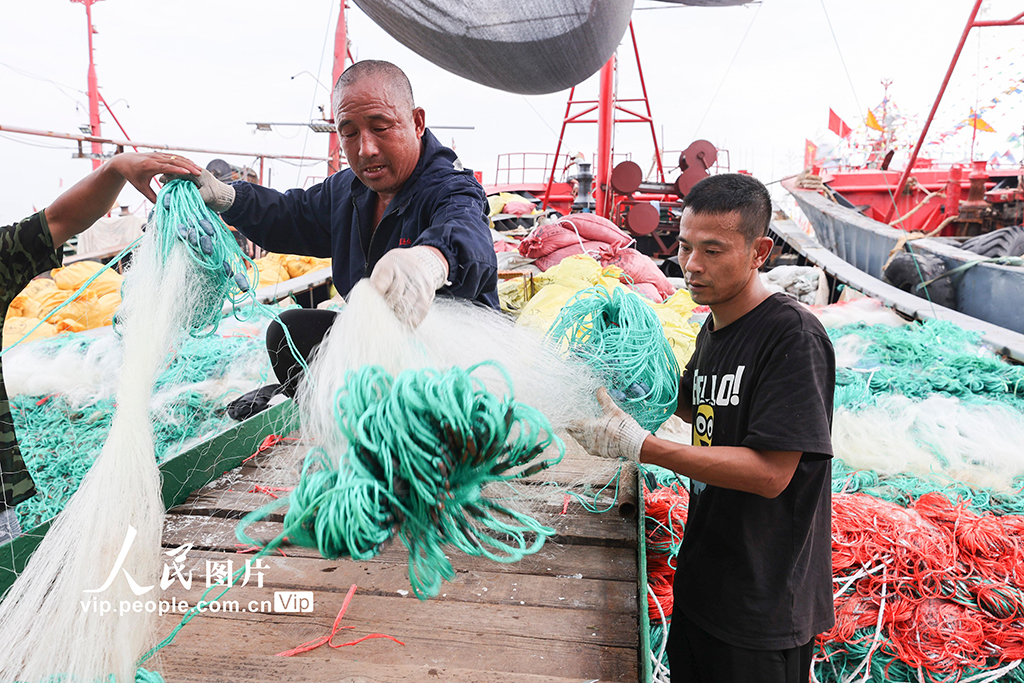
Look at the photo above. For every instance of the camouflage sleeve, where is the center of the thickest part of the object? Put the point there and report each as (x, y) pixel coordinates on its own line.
(27, 250)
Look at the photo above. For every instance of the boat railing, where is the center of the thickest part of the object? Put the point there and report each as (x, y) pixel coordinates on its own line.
(535, 167)
(530, 167)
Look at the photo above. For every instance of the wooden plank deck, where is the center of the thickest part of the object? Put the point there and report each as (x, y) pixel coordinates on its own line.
(566, 614)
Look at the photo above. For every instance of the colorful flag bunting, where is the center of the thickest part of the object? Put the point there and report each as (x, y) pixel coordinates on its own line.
(976, 122)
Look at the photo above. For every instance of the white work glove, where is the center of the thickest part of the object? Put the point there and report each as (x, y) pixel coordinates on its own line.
(408, 279)
(216, 195)
(613, 435)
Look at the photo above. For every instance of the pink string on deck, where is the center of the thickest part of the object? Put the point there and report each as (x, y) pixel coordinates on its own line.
(328, 639)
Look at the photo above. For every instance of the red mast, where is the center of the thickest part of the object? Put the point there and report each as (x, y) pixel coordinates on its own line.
(341, 51)
(607, 104)
(94, 91)
(605, 130)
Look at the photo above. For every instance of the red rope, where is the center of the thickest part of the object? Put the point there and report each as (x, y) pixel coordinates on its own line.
(269, 490)
(951, 580)
(665, 509)
(268, 443)
(329, 638)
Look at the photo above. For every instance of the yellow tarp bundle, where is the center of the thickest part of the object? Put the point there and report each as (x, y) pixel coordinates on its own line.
(74, 276)
(557, 285)
(300, 265)
(275, 268)
(83, 310)
(16, 326)
(106, 306)
(26, 304)
(270, 273)
(95, 307)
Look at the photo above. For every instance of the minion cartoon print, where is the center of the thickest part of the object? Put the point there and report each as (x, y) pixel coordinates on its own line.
(703, 425)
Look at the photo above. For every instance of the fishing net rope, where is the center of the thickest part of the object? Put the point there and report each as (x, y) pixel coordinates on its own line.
(422, 449)
(417, 430)
(940, 579)
(918, 360)
(621, 338)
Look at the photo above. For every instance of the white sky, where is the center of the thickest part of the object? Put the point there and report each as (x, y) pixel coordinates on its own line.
(193, 72)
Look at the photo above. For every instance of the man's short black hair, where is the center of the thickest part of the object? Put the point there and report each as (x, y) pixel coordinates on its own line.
(386, 71)
(730, 192)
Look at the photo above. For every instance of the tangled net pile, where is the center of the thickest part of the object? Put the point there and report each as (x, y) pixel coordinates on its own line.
(619, 336)
(927, 591)
(926, 564)
(61, 433)
(666, 501)
(423, 447)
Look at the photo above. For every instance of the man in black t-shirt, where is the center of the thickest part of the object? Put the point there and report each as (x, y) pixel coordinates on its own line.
(753, 583)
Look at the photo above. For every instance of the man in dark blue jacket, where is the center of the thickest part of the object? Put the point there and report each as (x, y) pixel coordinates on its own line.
(405, 213)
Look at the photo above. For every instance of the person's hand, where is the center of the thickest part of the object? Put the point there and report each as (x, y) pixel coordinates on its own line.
(613, 435)
(140, 169)
(408, 279)
(217, 196)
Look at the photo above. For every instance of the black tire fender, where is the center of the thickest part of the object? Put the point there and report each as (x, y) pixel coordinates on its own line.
(905, 272)
(1003, 242)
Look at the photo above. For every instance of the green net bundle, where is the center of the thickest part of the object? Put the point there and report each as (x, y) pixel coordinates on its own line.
(621, 338)
(903, 489)
(227, 274)
(922, 359)
(423, 447)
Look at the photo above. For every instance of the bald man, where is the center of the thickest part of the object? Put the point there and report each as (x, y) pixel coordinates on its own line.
(405, 213)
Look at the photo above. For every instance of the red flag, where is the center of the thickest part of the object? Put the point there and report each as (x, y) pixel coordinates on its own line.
(837, 125)
(810, 151)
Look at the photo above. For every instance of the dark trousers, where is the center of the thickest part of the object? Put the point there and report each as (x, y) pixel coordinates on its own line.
(307, 327)
(696, 656)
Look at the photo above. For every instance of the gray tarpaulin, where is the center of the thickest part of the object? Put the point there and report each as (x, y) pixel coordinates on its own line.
(522, 46)
(709, 3)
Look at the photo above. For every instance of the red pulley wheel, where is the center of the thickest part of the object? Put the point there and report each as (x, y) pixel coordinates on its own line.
(642, 218)
(626, 177)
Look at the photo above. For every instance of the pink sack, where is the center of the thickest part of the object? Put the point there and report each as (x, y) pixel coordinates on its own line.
(518, 208)
(502, 245)
(639, 268)
(593, 227)
(545, 239)
(648, 290)
(594, 249)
